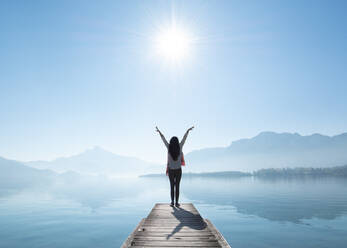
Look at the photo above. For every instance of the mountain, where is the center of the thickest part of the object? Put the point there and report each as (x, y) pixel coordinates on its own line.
(266, 150)
(97, 161)
(272, 150)
(14, 173)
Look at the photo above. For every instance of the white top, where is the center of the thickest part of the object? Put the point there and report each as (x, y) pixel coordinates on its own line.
(172, 163)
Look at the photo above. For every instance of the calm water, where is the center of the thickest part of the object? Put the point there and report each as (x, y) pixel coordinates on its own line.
(248, 212)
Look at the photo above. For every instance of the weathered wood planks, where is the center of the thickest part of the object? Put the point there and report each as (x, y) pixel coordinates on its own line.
(167, 226)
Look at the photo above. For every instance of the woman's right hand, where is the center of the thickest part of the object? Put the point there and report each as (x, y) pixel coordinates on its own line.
(190, 129)
(156, 129)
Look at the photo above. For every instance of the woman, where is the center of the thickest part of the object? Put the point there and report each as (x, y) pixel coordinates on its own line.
(174, 163)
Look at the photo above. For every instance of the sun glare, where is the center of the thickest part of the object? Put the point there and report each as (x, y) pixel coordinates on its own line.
(173, 44)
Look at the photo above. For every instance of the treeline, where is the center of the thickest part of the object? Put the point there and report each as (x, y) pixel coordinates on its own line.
(219, 174)
(338, 171)
(208, 174)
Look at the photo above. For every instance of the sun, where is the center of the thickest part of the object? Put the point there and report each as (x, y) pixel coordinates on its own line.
(173, 44)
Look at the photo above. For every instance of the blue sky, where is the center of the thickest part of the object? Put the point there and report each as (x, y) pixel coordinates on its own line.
(74, 74)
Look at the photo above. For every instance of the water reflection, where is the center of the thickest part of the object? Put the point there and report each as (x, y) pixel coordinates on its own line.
(275, 200)
(290, 200)
(75, 211)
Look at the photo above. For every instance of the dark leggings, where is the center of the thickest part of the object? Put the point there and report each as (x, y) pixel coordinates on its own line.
(175, 178)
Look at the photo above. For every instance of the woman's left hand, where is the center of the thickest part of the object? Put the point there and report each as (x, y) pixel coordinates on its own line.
(190, 129)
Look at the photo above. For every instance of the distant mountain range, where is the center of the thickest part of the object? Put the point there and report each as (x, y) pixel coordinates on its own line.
(272, 150)
(13, 173)
(266, 150)
(97, 161)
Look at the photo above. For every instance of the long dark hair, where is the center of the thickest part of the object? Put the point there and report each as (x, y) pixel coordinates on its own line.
(174, 148)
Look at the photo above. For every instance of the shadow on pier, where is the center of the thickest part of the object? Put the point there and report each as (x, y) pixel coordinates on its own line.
(186, 219)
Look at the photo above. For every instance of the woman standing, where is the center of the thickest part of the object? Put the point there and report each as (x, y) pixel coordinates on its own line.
(174, 163)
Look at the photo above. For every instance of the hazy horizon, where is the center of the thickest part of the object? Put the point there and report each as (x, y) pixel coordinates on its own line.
(156, 162)
(264, 151)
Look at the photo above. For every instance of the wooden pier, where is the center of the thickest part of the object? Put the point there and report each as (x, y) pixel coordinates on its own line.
(167, 226)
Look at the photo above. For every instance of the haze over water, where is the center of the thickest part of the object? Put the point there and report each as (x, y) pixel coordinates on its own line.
(249, 212)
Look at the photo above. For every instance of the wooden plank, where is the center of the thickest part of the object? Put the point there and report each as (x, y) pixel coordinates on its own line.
(175, 243)
(167, 226)
(171, 220)
(191, 225)
(176, 223)
(196, 226)
(172, 214)
(165, 229)
(135, 246)
(179, 234)
(188, 207)
(164, 238)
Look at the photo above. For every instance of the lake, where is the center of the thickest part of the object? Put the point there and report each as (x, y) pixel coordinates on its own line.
(249, 212)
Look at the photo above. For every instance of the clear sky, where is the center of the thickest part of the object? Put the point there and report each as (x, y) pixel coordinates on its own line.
(74, 74)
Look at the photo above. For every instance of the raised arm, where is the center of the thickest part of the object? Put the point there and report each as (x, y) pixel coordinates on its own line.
(185, 137)
(163, 138)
